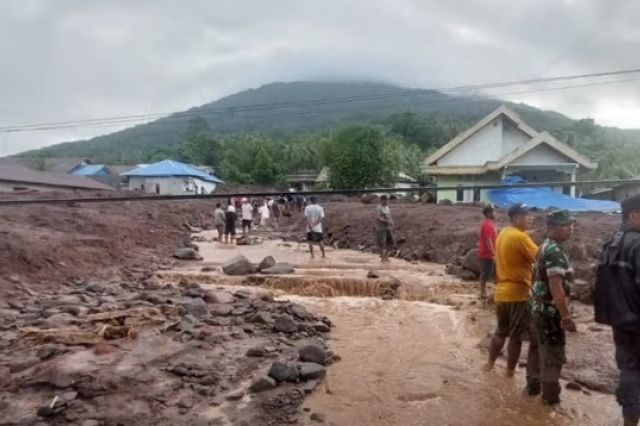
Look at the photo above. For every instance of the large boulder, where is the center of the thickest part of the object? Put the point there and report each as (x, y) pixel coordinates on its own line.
(266, 263)
(285, 324)
(279, 269)
(283, 372)
(311, 370)
(238, 265)
(471, 262)
(196, 307)
(313, 353)
(187, 253)
(262, 384)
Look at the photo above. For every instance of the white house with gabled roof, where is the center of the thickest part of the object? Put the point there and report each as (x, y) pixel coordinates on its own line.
(498, 146)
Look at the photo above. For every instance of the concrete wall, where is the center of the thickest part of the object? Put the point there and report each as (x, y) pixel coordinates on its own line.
(512, 138)
(543, 154)
(484, 146)
(453, 181)
(171, 185)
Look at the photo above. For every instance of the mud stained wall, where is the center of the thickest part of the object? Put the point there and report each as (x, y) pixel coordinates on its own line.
(465, 180)
(171, 185)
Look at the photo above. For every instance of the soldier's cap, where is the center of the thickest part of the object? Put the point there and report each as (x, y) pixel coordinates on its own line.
(560, 217)
(518, 208)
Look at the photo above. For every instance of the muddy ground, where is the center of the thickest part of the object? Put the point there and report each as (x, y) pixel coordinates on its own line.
(444, 234)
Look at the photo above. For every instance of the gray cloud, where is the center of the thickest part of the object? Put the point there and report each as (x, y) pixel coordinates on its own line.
(73, 59)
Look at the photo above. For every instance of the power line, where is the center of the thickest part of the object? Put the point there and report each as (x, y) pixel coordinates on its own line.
(127, 119)
(143, 198)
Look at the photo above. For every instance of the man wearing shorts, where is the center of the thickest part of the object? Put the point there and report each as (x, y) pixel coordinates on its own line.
(230, 225)
(515, 258)
(220, 220)
(247, 216)
(314, 214)
(384, 228)
(486, 249)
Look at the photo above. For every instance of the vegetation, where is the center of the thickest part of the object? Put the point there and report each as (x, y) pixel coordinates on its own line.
(303, 131)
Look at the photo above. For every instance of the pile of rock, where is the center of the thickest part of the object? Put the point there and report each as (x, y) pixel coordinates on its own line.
(240, 265)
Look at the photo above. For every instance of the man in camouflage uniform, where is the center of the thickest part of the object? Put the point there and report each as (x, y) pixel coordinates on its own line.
(550, 316)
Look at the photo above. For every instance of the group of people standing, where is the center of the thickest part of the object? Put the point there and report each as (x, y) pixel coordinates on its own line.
(265, 212)
(532, 291)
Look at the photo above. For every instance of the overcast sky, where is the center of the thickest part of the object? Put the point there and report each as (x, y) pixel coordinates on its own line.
(79, 59)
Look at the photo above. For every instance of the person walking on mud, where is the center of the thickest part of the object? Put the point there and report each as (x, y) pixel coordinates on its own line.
(230, 224)
(617, 304)
(515, 257)
(384, 228)
(247, 216)
(549, 309)
(314, 215)
(487, 249)
(219, 220)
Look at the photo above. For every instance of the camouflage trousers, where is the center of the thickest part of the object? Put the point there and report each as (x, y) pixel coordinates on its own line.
(545, 358)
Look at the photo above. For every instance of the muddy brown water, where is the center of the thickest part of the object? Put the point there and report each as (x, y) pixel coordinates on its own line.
(404, 361)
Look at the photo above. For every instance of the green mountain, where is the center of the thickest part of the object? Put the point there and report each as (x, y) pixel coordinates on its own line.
(282, 109)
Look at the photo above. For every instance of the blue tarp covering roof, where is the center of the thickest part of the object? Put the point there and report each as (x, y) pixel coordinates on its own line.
(546, 198)
(171, 168)
(90, 170)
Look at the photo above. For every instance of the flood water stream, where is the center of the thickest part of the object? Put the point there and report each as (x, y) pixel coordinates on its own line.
(405, 361)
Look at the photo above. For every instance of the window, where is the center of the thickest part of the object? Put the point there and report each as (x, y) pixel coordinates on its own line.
(460, 194)
(476, 194)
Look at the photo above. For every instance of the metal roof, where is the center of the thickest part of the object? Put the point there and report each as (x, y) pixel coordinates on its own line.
(168, 168)
(17, 174)
(88, 170)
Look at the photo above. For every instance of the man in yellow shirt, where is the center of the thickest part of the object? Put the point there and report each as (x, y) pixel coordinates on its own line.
(515, 257)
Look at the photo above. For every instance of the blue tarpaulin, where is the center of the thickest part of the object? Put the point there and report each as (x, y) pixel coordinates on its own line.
(546, 198)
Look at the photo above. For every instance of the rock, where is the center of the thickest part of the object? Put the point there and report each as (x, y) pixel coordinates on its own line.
(208, 269)
(285, 324)
(283, 372)
(299, 311)
(236, 396)
(262, 317)
(467, 275)
(582, 290)
(222, 310)
(222, 297)
(256, 352)
(90, 422)
(46, 351)
(194, 229)
(279, 269)
(14, 279)
(595, 329)
(373, 274)
(96, 288)
(262, 384)
(311, 370)
(187, 253)
(471, 262)
(309, 386)
(195, 292)
(15, 304)
(266, 263)
(152, 283)
(59, 320)
(8, 314)
(196, 307)
(313, 353)
(369, 198)
(76, 311)
(23, 364)
(317, 417)
(321, 327)
(67, 299)
(238, 265)
(573, 386)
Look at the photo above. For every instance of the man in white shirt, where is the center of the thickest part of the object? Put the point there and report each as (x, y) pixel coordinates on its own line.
(247, 216)
(314, 214)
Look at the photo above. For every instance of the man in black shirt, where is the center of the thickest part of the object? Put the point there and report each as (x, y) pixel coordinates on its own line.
(617, 303)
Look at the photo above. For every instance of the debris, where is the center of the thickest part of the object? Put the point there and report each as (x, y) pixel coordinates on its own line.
(238, 265)
(373, 274)
(187, 253)
(311, 370)
(256, 352)
(299, 311)
(313, 353)
(285, 324)
(283, 372)
(262, 384)
(266, 263)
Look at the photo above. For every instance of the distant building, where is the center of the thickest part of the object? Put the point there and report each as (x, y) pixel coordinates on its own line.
(309, 180)
(498, 146)
(15, 178)
(616, 193)
(171, 178)
(302, 181)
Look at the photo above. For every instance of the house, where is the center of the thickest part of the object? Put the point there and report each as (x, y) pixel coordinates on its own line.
(302, 181)
(617, 192)
(498, 146)
(15, 177)
(171, 178)
(309, 180)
